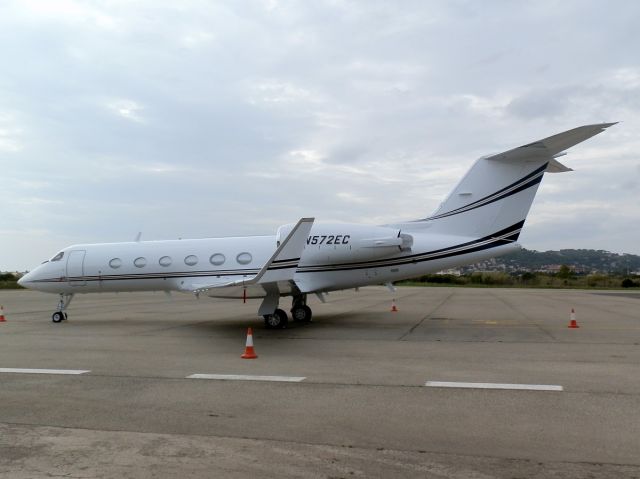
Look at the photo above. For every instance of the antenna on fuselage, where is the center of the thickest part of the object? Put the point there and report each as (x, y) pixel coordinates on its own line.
(137, 240)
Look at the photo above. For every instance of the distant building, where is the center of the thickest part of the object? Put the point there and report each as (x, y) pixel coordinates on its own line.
(549, 268)
(453, 272)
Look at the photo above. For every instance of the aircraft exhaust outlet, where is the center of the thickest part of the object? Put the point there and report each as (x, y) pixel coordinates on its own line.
(2, 320)
(573, 324)
(249, 352)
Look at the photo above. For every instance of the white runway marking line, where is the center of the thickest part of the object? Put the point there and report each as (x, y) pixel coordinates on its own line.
(244, 377)
(44, 371)
(522, 387)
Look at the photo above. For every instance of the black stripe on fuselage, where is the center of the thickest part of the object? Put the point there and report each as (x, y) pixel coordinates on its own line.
(505, 236)
(285, 266)
(528, 181)
(179, 274)
(502, 237)
(286, 260)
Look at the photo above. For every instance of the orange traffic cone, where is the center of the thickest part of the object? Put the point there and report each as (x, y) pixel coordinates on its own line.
(573, 323)
(2, 320)
(249, 352)
(393, 306)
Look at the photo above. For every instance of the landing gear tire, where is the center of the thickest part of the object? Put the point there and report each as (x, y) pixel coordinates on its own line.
(61, 314)
(277, 320)
(301, 314)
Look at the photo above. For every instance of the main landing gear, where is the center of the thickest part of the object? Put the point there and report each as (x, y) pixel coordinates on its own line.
(61, 314)
(300, 312)
(277, 320)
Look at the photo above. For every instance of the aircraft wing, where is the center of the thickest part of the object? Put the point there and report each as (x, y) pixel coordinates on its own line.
(279, 269)
(552, 146)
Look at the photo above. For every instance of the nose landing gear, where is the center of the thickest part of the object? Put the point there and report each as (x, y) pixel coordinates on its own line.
(61, 314)
(58, 316)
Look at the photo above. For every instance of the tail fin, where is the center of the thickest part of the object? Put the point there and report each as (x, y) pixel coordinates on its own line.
(497, 192)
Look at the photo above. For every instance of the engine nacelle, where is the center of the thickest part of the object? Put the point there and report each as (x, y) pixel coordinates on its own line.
(350, 243)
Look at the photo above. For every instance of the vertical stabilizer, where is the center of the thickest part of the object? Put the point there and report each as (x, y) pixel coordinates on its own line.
(497, 191)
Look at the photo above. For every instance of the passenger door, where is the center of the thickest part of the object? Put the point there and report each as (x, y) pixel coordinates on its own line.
(75, 268)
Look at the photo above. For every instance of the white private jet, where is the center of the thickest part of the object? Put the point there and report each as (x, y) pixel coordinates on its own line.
(481, 218)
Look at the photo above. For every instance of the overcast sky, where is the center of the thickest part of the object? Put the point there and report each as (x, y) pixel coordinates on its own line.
(194, 119)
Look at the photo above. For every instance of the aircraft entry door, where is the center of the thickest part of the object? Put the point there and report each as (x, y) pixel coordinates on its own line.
(75, 268)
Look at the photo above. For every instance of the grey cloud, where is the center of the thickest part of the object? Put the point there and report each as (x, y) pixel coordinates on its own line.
(575, 100)
(542, 103)
(181, 119)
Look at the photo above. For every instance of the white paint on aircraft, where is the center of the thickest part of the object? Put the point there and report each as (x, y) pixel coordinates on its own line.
(481, 218)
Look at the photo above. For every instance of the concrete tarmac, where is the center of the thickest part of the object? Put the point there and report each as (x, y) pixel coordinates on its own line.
(362, 410)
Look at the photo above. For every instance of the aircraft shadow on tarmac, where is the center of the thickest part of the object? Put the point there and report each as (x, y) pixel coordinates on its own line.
(146, 322)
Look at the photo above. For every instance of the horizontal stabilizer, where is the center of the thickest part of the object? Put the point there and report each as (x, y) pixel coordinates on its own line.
(551, 145)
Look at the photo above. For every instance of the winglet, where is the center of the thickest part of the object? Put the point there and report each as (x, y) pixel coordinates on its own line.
(282, 265)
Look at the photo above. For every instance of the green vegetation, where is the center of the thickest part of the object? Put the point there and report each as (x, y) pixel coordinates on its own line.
(567, 268)
(629, 283)
(565, 278)
(576, 259)
(9, 281)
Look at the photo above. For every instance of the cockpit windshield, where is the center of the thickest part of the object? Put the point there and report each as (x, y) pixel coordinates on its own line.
(58, 257)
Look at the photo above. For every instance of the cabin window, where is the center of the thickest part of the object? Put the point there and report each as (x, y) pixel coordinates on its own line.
(140, 262)
(217, 259)
(58, 257)
(115, 263)
(191, 260)
(165, 261)
(244, 258)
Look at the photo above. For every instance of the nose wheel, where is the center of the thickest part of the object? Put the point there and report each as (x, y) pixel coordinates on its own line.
(58, 316)
(61, 315)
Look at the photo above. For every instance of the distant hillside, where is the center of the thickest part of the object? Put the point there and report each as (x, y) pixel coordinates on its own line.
(579, 260)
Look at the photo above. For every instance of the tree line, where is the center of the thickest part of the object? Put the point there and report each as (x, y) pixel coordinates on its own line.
(565, 278)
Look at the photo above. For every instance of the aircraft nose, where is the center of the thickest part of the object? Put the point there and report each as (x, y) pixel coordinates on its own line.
(25, 279)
